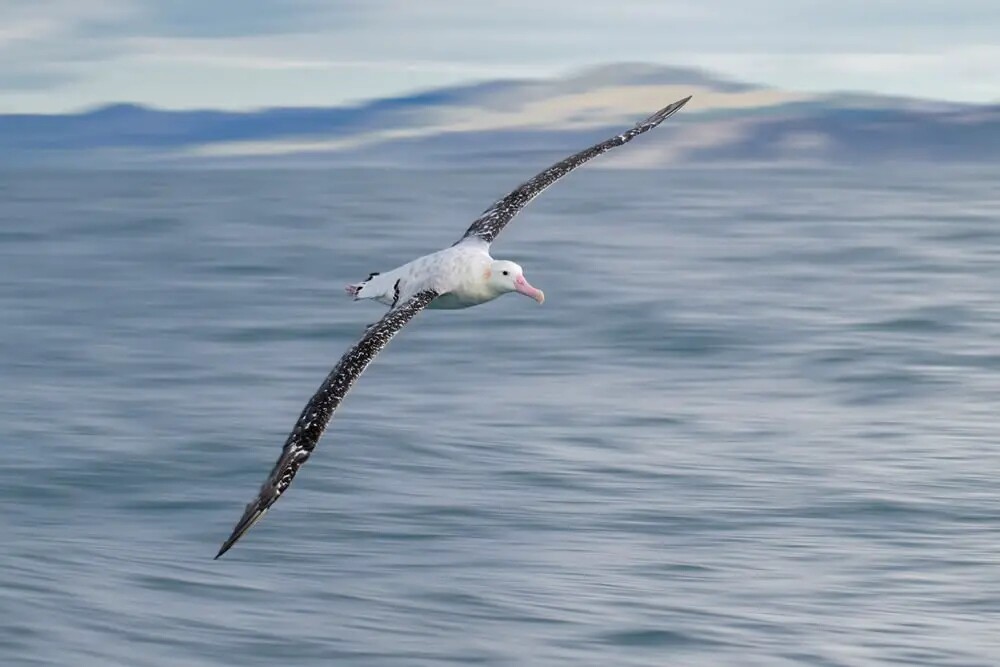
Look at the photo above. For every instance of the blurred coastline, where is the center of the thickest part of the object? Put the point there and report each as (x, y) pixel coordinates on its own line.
(500, 123)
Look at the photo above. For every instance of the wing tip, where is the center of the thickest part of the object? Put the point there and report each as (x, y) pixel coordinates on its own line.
(665, 113)
(255, 511)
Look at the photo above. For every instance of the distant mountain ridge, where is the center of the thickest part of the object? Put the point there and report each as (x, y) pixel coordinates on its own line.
(497, 121)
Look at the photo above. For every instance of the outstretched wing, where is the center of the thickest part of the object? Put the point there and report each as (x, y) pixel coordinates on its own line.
(496, 217)
(320, 408)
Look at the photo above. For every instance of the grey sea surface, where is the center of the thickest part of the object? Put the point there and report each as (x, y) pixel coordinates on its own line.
(756, 421)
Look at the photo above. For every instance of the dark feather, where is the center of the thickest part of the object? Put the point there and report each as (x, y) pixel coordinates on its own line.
(319, 410)
(496, 217)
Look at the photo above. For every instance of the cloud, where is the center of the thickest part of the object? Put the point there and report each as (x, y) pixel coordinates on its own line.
(32, 80)
(197, 18)
(24, 30)
(960, 72)
(61, 54)
(268, 53)
(44, 44)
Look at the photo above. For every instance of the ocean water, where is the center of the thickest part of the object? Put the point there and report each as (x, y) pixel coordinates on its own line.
(755, 422)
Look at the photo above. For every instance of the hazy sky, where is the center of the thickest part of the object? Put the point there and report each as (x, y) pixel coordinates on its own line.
(67, 54)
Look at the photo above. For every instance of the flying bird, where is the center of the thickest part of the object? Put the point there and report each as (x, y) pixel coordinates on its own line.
(459, 276)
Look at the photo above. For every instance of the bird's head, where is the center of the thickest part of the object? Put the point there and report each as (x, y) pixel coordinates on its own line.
(507, 276)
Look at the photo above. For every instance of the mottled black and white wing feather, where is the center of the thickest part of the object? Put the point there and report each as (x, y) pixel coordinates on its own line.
(496, 217)
(320, 408)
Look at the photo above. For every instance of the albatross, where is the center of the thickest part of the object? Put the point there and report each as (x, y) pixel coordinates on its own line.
(459, 276)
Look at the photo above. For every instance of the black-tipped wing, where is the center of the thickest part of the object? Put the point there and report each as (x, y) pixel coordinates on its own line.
(320, 408)
(496, 217)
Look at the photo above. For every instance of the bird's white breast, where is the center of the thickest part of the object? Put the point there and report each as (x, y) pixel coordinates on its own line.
(459, 273)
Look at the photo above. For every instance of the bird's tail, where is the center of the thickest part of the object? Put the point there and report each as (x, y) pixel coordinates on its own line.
(356, 289)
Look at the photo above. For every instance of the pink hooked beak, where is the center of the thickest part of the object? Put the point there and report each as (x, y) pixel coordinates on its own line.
(524, 287)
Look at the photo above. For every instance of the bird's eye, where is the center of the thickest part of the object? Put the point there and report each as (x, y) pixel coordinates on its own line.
(506, 273)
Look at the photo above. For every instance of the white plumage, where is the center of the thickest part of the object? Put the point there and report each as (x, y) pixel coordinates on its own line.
(464, 275)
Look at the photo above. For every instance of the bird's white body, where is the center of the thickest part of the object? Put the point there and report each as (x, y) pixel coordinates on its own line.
(464, 275)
